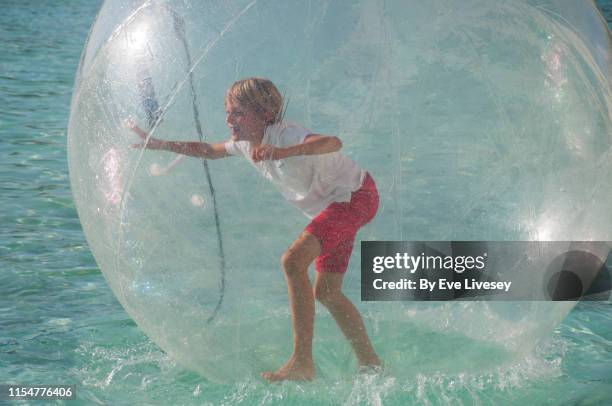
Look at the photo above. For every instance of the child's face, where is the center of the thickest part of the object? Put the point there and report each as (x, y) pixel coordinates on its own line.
(244, 123)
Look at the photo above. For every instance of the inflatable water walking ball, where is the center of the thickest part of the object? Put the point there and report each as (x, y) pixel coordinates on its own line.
(479, 120)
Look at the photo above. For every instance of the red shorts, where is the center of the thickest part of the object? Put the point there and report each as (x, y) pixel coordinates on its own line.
(337, 224)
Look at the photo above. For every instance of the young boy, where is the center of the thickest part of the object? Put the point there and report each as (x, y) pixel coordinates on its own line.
(325, 185)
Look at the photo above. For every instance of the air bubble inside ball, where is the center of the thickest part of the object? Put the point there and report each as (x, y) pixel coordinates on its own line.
(155, 170)
(197, 200)
(478, 120)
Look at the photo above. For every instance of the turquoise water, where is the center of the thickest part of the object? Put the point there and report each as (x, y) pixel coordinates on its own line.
(61, 324)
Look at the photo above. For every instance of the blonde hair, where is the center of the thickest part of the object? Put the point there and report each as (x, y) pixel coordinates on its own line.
(260, 95)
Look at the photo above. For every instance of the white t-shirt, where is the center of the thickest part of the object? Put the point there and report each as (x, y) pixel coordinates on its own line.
(310, 182)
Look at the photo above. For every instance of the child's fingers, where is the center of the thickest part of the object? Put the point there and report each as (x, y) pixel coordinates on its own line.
(131, 125)
(257, 154)
(128, 123)
(263, 153)
(147, 141)
(140, 132)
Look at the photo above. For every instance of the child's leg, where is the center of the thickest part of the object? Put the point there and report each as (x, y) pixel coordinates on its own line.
(295, 262)
(328, 290)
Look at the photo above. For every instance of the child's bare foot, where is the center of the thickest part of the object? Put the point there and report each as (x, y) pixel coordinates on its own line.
(293, 370)
(374, 365)
(371, 361)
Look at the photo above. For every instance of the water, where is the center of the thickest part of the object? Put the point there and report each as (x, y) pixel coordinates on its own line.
(61, 324)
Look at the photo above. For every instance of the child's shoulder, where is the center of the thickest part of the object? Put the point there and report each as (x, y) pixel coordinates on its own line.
(288, 132)
(281, 126)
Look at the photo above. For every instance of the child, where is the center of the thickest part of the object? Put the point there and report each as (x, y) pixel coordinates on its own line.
(323, 184)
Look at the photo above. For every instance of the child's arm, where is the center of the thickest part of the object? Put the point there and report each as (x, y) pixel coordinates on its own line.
(190, 148)
(314, 144)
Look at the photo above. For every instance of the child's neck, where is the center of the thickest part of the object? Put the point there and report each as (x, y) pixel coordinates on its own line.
(258, 138)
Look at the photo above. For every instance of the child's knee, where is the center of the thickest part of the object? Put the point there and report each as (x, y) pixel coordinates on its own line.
(292, 262)
(301, 254)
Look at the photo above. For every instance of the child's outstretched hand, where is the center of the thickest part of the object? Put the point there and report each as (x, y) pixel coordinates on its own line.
(147, 141)
(267, 153)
